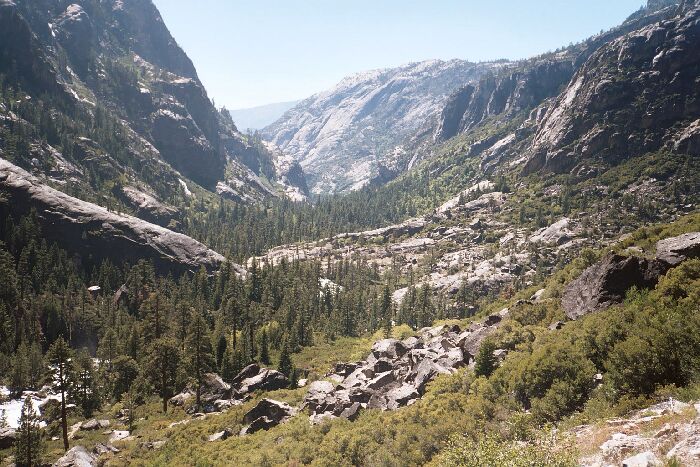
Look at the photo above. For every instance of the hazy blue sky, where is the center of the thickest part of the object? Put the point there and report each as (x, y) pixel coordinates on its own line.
(255, 52)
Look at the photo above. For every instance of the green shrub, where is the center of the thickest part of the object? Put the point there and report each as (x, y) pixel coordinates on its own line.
(490, 451)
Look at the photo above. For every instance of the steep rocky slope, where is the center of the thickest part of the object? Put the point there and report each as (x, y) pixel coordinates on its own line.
(634, 95)
(114, 65)
(352, 133)
(524, 85)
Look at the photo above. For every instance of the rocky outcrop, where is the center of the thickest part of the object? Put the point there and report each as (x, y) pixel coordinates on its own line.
(214, 393)
(120, 57)
(94, 424)
(255, 378)
(677, 249)
(94, 233)
(557, 233)
(222, 435)
(396, 373)
(217, 396)
(265, 415)
(650, 437)
(139, 24)
(606, 282)
(344, 136)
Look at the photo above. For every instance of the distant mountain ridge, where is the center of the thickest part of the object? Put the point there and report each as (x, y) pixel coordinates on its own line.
(258, 117)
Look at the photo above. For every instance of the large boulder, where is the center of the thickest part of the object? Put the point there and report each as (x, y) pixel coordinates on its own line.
(77, 457)
(401, 396)
(266, 414)
(213, 393)
(213, 389)
(8, 437)
(317, 394)
(606, 283)
(248, 372)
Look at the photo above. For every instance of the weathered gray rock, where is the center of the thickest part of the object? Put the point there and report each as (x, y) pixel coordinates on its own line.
(344, 136)
(272, 409)
(77, 457)
(352, 412)
(88, 230)
(401, 396)
(317, 393)
(643, 459)
(266, 380)
(396, 373)
(677, 249)
(214, 388)
(594, 116)
(381, 380)
(389, 348)
(556, 326)
(93, 424)
(153, 445)
(344, 369)
(146, 205)
(220, 436)
(102, 449)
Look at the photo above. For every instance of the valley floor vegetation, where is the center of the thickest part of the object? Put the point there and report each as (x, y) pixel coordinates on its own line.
(602, 365)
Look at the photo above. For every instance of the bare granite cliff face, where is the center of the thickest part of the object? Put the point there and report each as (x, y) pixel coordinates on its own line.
(344, 136)
(93, 233)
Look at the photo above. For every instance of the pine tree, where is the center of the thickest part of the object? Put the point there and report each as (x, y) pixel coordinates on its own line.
(108, 348)
(29, 446)
(385, 311)
(264, 350)
(129, 398)
(162, 364)
(485, 361)
(59, 357)
(152, 316)
(7, 330)
(35, 366)
(18, 378)
(221, 346)
(285, 364)
(199, 352)
(85, 385)
(229, 364)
